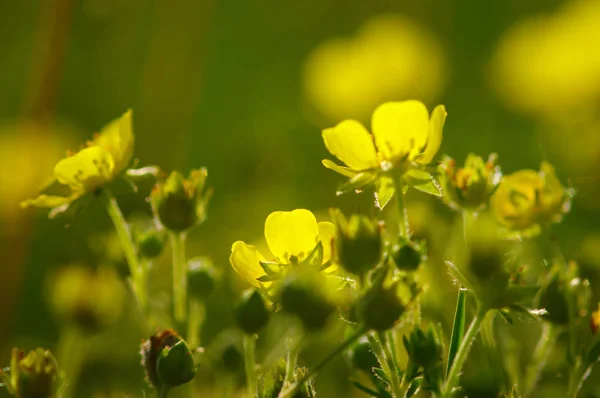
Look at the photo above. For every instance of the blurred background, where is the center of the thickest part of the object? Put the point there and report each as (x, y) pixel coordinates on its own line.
(245, 87)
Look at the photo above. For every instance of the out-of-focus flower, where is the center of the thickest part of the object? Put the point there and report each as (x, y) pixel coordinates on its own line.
(181, 203)
(595, 320)
(528, 198)
(294, 237)
(391, 57)
(34, 375)
(20, 177)
(104, 158)
(471, 186)
(550, 63)
(91, 299)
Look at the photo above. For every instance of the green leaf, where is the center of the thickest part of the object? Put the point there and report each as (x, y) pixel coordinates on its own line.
(359, 181)
(593, 353)
(270, 268)
(459, 276)
(423, 181)
(345, 171)
(365, 389)
(506, 316)
(269, 278)
(413, 387)
(315, 258)
(458, 328)
(384, 191)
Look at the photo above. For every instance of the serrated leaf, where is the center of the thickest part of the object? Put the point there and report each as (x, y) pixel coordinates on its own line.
(413, 387)
(384, 191)
(381, 375)
(345, 171)
(357, 182)
(459, 276)
(423, 181)
(458, 328)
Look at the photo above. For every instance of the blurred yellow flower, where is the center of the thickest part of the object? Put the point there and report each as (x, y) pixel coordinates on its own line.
(391, 57)
(551, 63)
(402, 131)
(292, 237)
(528, 198)
(104, 158)
(595, 320)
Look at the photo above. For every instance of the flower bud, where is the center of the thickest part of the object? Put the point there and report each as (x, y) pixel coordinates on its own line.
(91, 299)
(527, 199)
(362, 356)
(34, 375)
(303, 295)
(424, 348)
(149, 238)
(179, 202)
(380, 308)
(232, 359)
(469, 187)
(358, 243)
(251, 313)
(406, 256)
(553, 298)
(202, 277)
(167, 360)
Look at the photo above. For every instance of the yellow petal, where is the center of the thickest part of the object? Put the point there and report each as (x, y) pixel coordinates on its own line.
(245, 260)
(117, 138)
(291, 233)
(401, 128)
(47, 201)
(327, 237)
(85, 171)
(351, 143)
(436, 126)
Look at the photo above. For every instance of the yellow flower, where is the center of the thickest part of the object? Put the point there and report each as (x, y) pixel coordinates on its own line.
(390, 57)
(293, 237)
(595, 320)
(105, 158)
(528, 198)
(402, 131)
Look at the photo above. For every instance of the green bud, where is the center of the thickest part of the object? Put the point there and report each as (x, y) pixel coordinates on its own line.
(358, 242)
(232, 358)
(471, 186)
(405, 256)
(303, 296)
(34, 375)
(167, 360)
(149, 238)
(424, 347)
(553, 298)
(202, 277)
(175, 365)
(251, 313)
(363, 357)
(380, 308)
(179, 202)
(90, 299)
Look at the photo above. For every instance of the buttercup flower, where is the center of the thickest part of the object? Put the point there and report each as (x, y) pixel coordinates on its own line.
(527, 198)
(294, 237)
(104, 158)
(402, 131)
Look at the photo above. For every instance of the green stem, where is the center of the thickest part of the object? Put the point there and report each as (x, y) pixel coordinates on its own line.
(195, 320)
(577, 379)
(290, 366)
(539, 359)
(463, 352)
(250, 364)
(386, 362)
(179, 276)
(163, 392)
(291, 390)
(70, 357)
(138, 275)
(468, 219)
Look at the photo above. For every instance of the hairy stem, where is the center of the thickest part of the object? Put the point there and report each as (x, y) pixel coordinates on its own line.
(387, 363)
(179, 276)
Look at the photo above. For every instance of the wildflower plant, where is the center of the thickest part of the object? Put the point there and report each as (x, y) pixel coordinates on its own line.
(360, 277)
